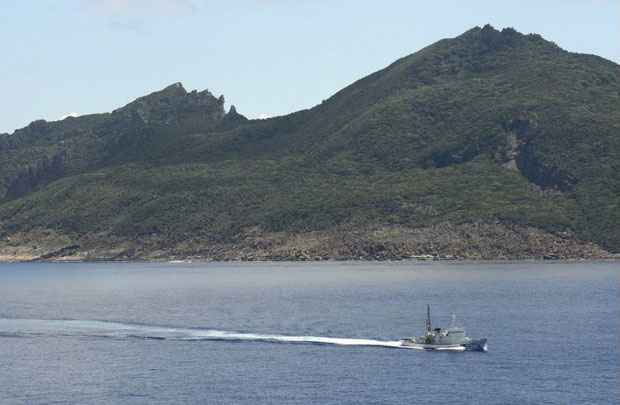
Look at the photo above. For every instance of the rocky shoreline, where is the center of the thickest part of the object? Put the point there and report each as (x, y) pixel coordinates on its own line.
(478, 241)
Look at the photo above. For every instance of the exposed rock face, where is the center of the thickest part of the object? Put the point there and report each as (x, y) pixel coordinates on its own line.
(40, 174)
(509, 155)
(541, 174)
(173, 104)
(522, 134)
(232, 119)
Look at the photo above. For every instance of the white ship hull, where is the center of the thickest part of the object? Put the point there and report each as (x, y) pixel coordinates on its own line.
(479, 345)
(417, 346)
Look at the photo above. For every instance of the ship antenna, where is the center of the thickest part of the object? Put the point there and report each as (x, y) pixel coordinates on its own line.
(428, 318)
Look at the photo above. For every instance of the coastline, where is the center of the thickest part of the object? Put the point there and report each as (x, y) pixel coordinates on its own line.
(442, 242)
(203, 260)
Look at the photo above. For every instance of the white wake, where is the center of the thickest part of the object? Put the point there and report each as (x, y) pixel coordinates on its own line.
(38, 327)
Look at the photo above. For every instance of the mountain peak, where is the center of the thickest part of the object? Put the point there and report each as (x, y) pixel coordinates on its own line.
(168, 104)
(174, 89)
(493, 38)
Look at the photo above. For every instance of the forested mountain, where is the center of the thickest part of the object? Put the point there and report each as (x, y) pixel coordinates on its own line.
(493, 144)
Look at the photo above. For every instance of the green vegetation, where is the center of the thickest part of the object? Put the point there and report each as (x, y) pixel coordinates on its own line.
(489, 127)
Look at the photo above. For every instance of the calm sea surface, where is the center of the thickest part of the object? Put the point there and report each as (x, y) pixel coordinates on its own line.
(306, 333)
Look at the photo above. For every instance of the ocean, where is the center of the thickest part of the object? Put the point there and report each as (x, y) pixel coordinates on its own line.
(307, 333)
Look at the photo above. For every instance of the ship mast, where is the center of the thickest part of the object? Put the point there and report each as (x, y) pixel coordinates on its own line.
(428, 318)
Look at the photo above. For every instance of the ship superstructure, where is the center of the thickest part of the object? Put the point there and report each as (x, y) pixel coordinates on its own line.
(452, 338)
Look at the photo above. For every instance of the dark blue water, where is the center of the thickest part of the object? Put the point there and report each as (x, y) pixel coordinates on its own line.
(282, 333)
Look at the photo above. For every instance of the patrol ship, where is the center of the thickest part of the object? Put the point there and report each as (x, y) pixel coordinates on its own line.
(452, 338)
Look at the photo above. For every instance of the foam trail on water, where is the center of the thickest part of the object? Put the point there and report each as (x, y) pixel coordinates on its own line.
(222, 335)
(39, 327)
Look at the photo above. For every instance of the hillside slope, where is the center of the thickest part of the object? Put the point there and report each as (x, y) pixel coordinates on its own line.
(493, 144)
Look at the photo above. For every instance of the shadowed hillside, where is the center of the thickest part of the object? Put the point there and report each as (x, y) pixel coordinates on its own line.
(489, 145)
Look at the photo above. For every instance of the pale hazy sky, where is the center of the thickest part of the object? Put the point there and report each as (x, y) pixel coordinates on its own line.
(268, 57)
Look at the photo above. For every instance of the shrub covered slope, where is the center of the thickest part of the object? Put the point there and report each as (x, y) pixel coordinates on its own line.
(497, 138)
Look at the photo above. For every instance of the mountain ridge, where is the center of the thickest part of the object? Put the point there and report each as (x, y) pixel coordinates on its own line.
(490, 136)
